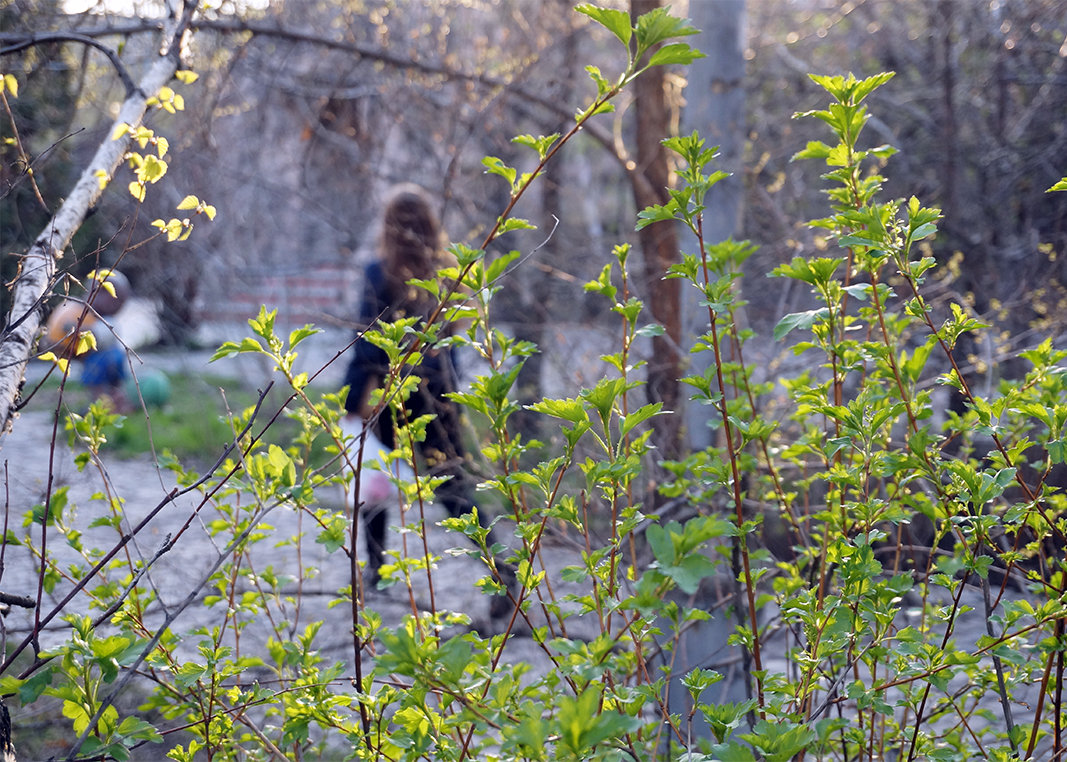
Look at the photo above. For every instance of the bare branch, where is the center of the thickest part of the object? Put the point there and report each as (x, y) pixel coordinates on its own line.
(507, 88)
(10, 599)
(53, 37)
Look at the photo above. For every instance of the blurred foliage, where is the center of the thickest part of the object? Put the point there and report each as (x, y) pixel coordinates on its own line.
(369, 93)
(977, 109)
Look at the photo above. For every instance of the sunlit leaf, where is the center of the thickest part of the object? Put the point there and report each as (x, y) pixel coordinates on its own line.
(675, 53)
(615, 21)
(60, 362)
(802, 320)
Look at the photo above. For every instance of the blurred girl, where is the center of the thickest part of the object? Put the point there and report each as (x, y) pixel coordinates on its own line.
(411, 247)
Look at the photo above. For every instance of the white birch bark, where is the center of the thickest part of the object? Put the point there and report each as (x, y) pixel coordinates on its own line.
(19, 337)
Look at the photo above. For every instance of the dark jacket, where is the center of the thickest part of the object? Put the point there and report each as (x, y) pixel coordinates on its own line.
(371, 363)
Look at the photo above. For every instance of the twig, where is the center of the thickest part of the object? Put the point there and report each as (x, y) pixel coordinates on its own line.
(91, 574)
(48, 38)
(163, 548)
(8, 599)
(154, 640)
(999, 667)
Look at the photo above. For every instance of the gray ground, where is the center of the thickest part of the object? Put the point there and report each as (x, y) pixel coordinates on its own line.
(34, 467)
(27, 451)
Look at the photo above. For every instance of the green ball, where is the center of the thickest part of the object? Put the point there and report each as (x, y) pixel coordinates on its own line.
(154, 386)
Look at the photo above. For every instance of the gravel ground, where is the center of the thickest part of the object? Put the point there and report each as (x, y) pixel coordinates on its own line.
(33, 468)
(27, 451)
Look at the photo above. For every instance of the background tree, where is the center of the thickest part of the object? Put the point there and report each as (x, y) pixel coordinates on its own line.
(351, 113)
(852, 469)
(35, 136)
(977, 110)
(659, 246)
(715, 107)
(348, 99)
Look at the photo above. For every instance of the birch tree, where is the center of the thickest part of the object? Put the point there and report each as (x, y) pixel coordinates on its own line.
(40, 263)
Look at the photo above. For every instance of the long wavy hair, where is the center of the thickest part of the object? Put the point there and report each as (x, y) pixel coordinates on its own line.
(411, 246)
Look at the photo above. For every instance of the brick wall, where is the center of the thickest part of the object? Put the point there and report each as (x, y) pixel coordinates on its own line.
(324, 294)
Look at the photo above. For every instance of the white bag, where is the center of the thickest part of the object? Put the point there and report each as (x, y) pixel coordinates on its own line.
(375, 486)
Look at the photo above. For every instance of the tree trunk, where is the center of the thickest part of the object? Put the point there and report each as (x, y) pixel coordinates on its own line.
(39, 264)
(714, 97)
(7, 749)
(536, 300)
(715, 107)
(659, 246)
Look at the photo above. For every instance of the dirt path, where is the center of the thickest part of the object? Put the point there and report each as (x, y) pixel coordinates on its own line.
(35, 469)
(187, 520)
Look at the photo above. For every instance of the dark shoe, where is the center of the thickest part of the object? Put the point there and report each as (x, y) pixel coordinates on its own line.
(371, 576)
(503, 606)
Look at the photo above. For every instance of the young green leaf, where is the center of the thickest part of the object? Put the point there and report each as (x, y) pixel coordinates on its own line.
(615, 21)
(675, 53)
(802, 320)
